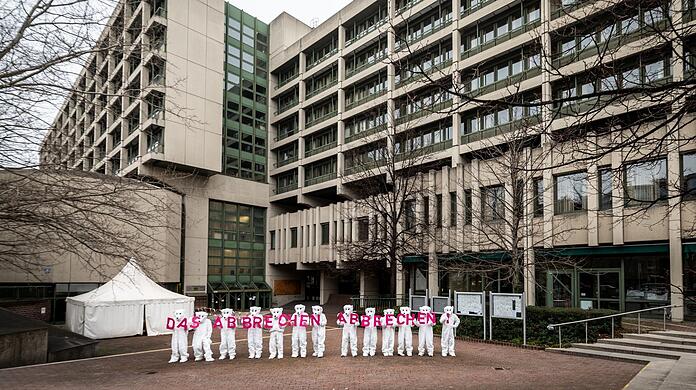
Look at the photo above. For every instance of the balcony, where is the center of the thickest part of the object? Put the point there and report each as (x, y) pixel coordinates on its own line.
(501, 129)
(365, 32)
(433, 148)
(356, 70)
(285, 134)
(508, 82)
(292, 103)
(566, 9)
(320, 149)
(437, 25)
(321, 89)
(320, 179)
(476, 7)
(365, 133)
(322, 59)
(433, 109)
(362, 167)
(287, 81)
(156, 147)
(407, 6)
(422, 74)
(313, 121)
(286, 188)
(365, 99)
(285, 162)
(500, 39)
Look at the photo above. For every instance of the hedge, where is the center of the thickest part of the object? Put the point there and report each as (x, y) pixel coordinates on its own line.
(538, 318)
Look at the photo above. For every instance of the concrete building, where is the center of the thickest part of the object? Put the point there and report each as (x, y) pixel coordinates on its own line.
(263, 127)
(341, 82)
(182, 97)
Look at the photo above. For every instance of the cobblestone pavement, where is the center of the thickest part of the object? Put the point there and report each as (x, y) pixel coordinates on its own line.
(476, 366)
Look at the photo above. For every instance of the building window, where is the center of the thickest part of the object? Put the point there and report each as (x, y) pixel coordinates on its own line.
(293, 237)
(493, 205)
(410, 216)
(325, 233)
(538, 196)
(689, 175)
(438, 208)
(272, 238)
(467, 207)
(363, 229)
(453, 209)
(604, 185)
(646, 182)
(571, 192)
(426, 210)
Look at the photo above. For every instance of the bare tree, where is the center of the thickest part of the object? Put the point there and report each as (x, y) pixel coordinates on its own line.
(53, 63)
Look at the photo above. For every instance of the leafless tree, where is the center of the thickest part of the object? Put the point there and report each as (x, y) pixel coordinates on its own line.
(49, 50)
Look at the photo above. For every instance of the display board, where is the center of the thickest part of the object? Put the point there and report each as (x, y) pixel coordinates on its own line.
(438, 304)
(507, 306)
(469, 303)
(416, 301)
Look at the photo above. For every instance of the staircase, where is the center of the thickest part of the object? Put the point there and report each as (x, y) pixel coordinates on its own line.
(670, 357)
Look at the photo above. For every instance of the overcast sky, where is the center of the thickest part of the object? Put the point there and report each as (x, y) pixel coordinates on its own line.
(305, 10)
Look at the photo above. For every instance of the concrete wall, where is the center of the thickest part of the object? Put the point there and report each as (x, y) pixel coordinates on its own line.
(23, 348)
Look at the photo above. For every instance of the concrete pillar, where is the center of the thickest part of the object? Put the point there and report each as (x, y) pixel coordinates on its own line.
(593, 199)
(433, 278)
(369, 285)
(327, 286)
(676, 265)
(400, 283)
(475, 206)
(446, 203)
(617, 201)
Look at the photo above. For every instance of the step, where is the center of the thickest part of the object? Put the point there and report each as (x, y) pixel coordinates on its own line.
(652, 376)
(625, 357)
(630, 350)
(676, 333)
(639, 343)
(660, 338)
(682, 376)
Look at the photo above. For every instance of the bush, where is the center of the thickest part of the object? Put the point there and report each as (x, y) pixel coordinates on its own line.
(538, 318)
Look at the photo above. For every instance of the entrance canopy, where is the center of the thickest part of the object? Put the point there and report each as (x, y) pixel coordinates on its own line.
(119, 307)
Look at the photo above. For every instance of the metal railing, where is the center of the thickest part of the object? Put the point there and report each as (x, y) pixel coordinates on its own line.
(287, 81)
(319, 149)
(379, 302)
(361, 67)
(365, 31)
(612, 316)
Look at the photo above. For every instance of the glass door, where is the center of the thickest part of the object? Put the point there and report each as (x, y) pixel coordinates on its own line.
(560, 288)
(600, 289)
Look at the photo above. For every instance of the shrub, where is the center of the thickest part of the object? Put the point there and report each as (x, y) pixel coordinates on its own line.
(538, 318)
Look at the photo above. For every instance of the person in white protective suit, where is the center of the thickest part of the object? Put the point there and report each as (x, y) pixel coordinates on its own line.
(201, 338)
(387, 323)
(275, 343)
(299, 319)
(449, 322)
(370, 333)
(349, 334)
(254, 335)
(405, 335)
(425, 331)
(318, 332)
(228, 344)
(179, 339)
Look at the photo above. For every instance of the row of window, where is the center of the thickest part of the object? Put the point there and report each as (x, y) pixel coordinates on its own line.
(502, 27)
(307, 235)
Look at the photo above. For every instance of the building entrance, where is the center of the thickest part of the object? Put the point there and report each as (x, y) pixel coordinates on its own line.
(600, 288)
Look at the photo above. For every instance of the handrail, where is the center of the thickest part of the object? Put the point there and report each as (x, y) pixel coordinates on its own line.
(612, 316)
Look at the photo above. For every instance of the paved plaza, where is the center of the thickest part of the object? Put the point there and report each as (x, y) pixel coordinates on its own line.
(141, 363)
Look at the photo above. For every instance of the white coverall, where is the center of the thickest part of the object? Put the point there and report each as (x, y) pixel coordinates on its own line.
(228, 344)
(405, 335)
(425, 334)
(449, 322)
(275, 343)
(388, 333)
(370, 333)
(201, 338)
(179, 339)
(318, 332)
(300, 319)
(349, 333)
(254, 335)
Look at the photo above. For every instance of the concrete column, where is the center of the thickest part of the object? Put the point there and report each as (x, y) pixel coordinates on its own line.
(617, 201)
(369, 285)
(340, 133)
(528, 266)
(446, 202)
(475, 205)
(676, 265)
(547, 69)
(461, 206)
(327, 286)
(301, 235)
(548, 205)
(433, 279)
(332, 231)
(593, 201)
(400, 285)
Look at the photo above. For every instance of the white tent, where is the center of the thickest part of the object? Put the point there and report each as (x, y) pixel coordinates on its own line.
(117, 308)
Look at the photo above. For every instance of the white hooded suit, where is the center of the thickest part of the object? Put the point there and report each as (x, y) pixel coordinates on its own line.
(388, 332)
(405, 335)
(300, 319)
(228, 344)
(201, 338)
(370, 333)
(179, 339)
(275, 343)
(318, 332)
(255, 335)
(349, 334)
(425, 332)
(449, 322)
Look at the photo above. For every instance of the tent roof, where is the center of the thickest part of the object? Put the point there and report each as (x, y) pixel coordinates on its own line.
(130, 285)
